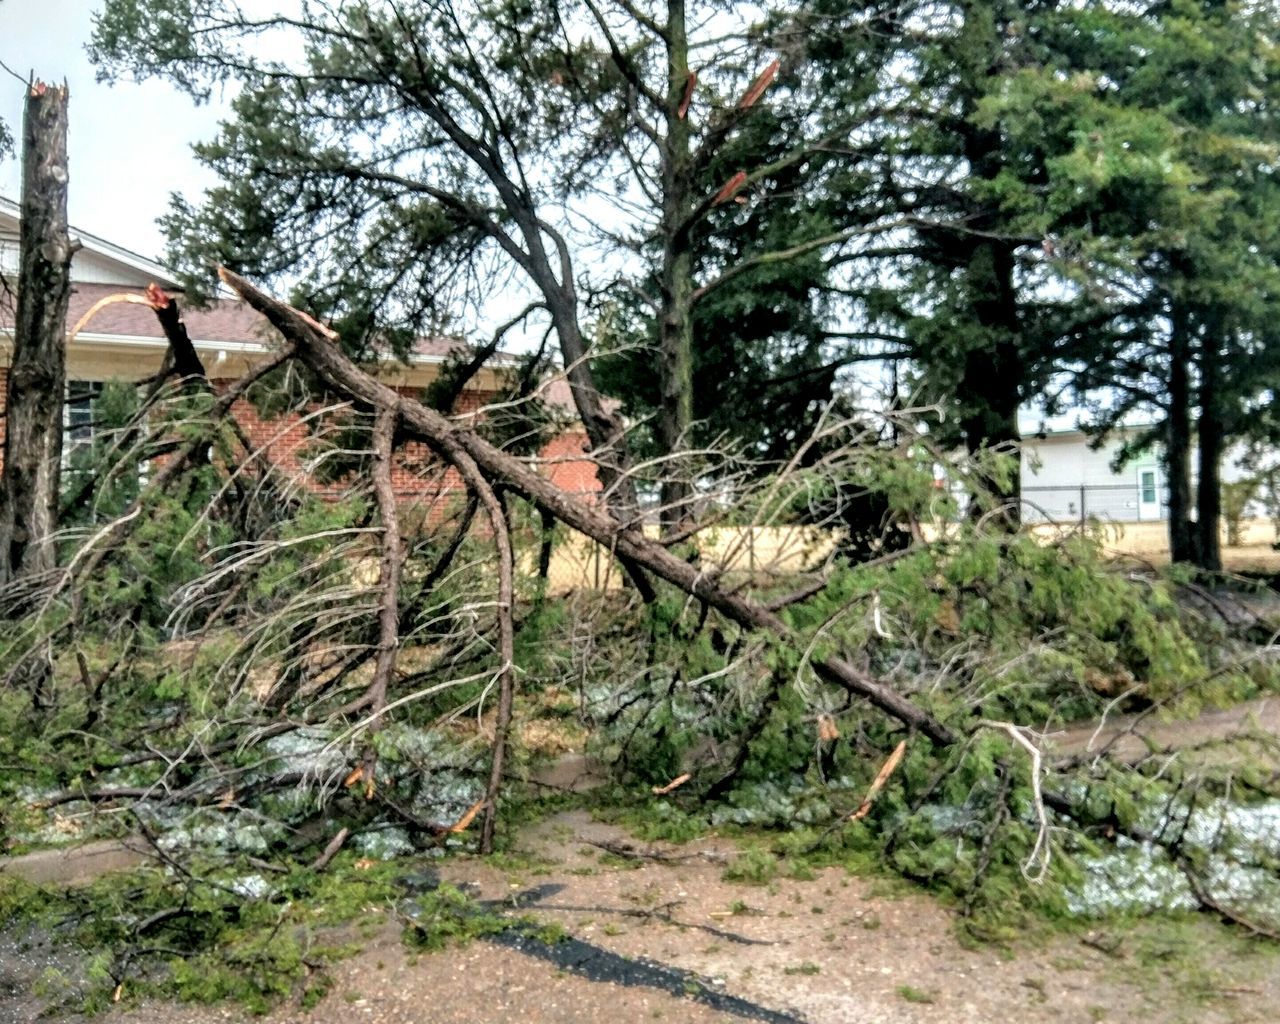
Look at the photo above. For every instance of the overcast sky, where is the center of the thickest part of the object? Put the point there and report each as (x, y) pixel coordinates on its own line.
(129, 143)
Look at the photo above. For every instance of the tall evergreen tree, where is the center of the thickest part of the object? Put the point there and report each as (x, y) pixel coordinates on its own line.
(415, 154)
(1202, 242)
(1047, 164)
(992, 276)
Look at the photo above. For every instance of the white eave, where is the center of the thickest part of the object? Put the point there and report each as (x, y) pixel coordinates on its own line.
(161, 274)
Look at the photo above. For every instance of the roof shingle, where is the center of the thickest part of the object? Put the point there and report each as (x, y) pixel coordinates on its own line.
(227, 320)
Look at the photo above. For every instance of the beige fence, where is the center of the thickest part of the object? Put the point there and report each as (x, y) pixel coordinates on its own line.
(1150, 541)
(578, 563)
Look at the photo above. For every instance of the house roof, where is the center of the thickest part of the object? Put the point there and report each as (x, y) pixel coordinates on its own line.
(1066, 433)
(226, 321)
(227, 325)
(1035, 425)
(127, 261)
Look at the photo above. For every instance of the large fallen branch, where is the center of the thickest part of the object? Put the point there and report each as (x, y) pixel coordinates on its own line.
(315, 345)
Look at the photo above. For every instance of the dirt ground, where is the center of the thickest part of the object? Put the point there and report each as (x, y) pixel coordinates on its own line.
(834, 948)
(1129, 738)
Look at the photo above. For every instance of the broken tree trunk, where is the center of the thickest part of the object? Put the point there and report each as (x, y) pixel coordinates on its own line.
(186, 360)
(464, 449)
(37, 373)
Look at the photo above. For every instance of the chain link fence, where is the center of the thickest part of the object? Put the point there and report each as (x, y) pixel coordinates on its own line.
(1117, 503)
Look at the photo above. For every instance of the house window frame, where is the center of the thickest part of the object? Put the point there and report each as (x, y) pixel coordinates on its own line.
(1148, 487)
(79, 436)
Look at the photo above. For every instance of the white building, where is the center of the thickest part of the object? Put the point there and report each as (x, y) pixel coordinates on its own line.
(1064, 477)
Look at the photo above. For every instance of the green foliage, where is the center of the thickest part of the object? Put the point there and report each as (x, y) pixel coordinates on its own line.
(102, 475)
(1011, 190)
(975, 626)
(1236, 498)
(447, 916)
(754, 865)
(218, 935)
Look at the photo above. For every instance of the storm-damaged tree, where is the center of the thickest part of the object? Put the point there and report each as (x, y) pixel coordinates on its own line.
(384, 170)
(37, 373)
(342, 711)
(769, 337)
(37, 369)
(924, 229)
(420, 156)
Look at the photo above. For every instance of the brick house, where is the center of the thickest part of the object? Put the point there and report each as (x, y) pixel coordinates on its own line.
(123, 341)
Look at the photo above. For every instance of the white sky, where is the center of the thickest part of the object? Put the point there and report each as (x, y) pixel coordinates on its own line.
(129, 143)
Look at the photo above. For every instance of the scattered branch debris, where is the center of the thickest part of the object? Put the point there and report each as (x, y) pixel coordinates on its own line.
(882, 776)
(673, 785)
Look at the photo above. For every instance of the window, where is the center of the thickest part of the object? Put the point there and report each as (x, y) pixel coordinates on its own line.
(93, 416)
(78, 421)
(8, 255)
(80, 428)
(1148, 483)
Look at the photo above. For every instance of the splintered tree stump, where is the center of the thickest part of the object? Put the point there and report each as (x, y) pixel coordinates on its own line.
(37, 374)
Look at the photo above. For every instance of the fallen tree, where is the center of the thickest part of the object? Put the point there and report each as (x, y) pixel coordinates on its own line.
(262, 689)
(479, 461)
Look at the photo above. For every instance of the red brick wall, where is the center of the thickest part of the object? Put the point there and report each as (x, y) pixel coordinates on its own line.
(417, 478)
(565, 461)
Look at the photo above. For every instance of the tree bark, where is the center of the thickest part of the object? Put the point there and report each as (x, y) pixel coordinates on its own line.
(675, 323)
(186, 360)
(464, 449)
(1211, 433)
(1177, 456)
(995, 371)
(991, 387)
(37, 375)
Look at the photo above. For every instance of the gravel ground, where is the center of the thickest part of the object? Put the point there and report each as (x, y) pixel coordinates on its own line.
(1132, 737)
(479, 984)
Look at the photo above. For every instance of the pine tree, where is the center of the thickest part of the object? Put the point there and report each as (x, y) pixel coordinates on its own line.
(419, 154)
(1202, 246)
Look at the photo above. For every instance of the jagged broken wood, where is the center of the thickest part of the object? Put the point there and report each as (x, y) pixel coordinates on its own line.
(314, 344)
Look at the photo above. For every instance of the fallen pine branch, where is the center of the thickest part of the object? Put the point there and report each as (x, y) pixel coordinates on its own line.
(331, 850)
(315, 345)
(628, 852)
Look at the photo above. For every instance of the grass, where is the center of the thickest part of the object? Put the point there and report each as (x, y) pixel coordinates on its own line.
(911, 994)
(754, 866)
